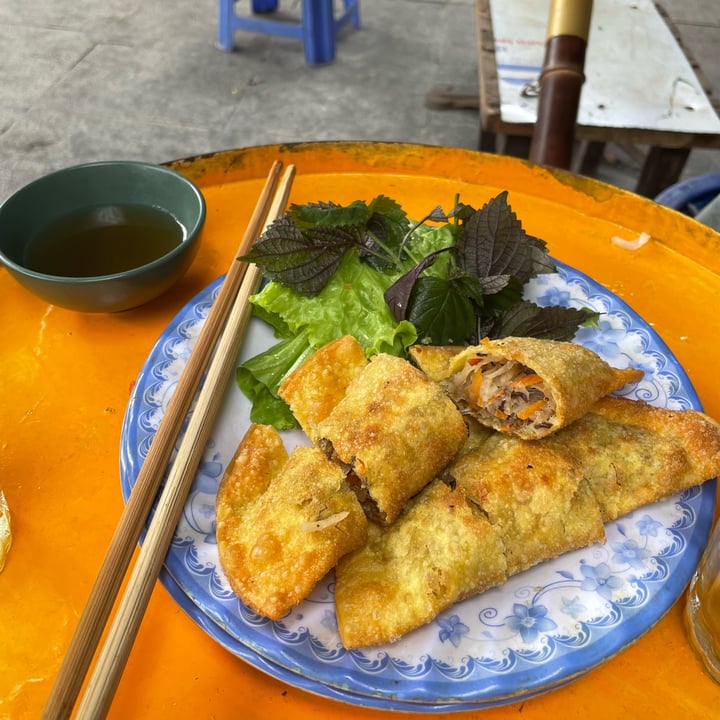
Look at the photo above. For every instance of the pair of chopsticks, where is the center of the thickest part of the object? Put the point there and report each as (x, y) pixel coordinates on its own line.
(213, 357)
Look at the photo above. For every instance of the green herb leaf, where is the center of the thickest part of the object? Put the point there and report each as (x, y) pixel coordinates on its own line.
(385, 230)
(366, 270)
(494, 283)
(260, 377)
(350, 304)
(502, 300)
(526, 319)
(304, 247)
(304, 261)
(391, 211)
(493, 245)
(397, 296)
(442, 311)
(328, 214)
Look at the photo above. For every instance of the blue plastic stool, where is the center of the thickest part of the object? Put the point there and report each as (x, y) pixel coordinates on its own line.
(317, 28)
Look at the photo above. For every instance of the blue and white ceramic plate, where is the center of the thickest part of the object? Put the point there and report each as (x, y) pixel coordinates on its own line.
(280, 673)
(541, 629)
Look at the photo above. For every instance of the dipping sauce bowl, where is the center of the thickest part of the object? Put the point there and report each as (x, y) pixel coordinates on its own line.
(102, 237)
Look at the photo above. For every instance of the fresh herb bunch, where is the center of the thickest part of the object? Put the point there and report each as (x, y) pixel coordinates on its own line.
(365, 269)
(478, 293)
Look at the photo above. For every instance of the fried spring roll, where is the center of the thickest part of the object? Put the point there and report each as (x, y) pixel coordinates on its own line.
(538, 499)
(505, 514)
(393, 431)
(535, 496)
(632, 453)
(283, 521)
(442, 549)
(318, 385)
(526, 386)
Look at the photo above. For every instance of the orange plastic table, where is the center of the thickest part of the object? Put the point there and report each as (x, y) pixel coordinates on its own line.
(66, 378)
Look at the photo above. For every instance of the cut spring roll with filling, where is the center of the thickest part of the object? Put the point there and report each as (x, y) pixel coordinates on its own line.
(530, 387)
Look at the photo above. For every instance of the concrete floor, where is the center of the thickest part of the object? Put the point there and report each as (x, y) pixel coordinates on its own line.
(84, 80)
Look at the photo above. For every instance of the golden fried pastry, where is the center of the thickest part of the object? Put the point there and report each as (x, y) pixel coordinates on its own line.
(632, 453)
(526, 387)
(394, 431)
(434, 360)
(517, 503)
(534, 495)
(439, 551)
(316, 387)
(283, 521)
(454, 507)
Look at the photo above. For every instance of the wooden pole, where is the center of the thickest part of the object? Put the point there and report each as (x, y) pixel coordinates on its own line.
(561, 82)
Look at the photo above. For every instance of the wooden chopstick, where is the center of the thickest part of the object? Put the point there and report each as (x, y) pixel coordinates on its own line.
(103, 594)
(126, 622)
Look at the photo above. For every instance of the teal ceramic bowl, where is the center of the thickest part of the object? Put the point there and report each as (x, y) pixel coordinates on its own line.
(102, 237)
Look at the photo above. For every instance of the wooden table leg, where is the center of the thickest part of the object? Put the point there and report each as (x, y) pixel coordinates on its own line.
(515, 146)
(591, 155)
(662, 168)
(487, 141)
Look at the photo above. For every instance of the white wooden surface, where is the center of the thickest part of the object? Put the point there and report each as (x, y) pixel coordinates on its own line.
(636, 74)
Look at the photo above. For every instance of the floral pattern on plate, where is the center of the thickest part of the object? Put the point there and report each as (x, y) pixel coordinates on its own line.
(541, 629)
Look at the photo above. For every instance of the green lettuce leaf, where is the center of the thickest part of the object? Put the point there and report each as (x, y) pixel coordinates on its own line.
(260, 377)
(351, 303)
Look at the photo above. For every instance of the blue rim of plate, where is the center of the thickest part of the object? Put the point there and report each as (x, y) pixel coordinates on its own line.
(416, 680)
(243, 652)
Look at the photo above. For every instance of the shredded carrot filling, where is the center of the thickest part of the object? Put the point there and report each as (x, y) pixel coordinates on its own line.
(529, 410)
(527, 380)
(476, 383)
(505, 390)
